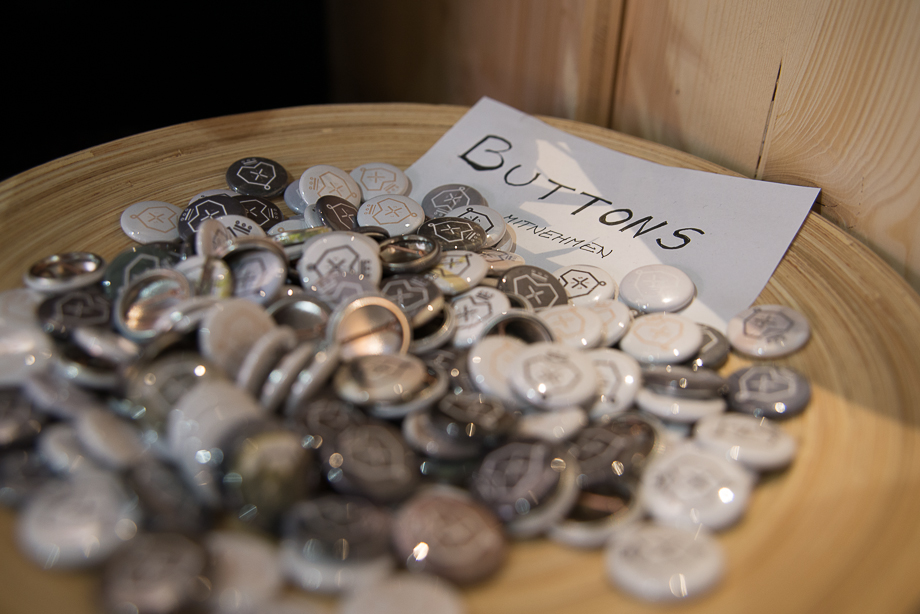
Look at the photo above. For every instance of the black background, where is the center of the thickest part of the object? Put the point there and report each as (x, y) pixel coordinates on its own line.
(78, 76)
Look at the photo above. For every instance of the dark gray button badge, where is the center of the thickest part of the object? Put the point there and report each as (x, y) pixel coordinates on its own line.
(460, 539)
(453, 233)
(262, 211)
(768, 391)
(538, 286)
(63, 313)
(131, 263)
(211, 206)
(257, 177)
(442, 199)
(714, 351)
(417, 296)
(336, 212)
(372, 460)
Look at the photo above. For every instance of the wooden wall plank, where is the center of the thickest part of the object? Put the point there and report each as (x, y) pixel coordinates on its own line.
(699, 76)
(847, 118)
(814, 92)
(552, 57)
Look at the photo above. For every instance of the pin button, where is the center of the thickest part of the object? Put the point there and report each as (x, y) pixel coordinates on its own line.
(552, 376)
(458, 271)
(76, 523)
(662, 338)
(434, 334)
(453, 233)
(417, 296)
(678, 409)
(530, 486)
(340, 287)
(372, 460)
(687, 487)
(211, 236)
(380, 178)
(714, 351)
(488, 219)
(553, 427)
(684, 382)
(145, 298)
(337, 528)
(293, 198)
(20, 307)
(257, 177)
(320, 419)
(473, 309)
(154, 573)
(289, 225)
(258, 268)
(156, 385)
(597, 517)
(756, 443)
(205, 208)
(409, 254)
(768, 391)
(337, 213)
(508, 242)
(472, 416)
(426, 439)
(768, 331)
(307, 316)
(396, 214)
(442, 199)
(279, 381)
(244, 571)
(262, 211)
(151, 220)
(657, 287)
(241, 226)
(229, 331)
(369, 325)
(539, 287)
(215, 192)
(500, 261)
(311, 380)
(63, 272)
(586, 284)
(265, 469)
(446, 533)
(112, 441)
(371, 379)
(324, 179)
(619, 380)
(339, 251)
(664, 563)
(24, 350)
(575, 326)
(616, 452)
(18, 421)
(488, 361)
(198, 426)
(166, 501)
(133, 262)
(76, 308)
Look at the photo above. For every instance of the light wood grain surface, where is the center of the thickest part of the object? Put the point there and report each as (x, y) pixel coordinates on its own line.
(553, 57)
(837, 532)
(818, 92)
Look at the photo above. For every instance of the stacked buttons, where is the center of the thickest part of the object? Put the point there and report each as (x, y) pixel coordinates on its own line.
(322, 378)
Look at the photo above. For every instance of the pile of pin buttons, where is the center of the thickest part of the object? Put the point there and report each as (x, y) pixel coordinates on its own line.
(378, 384)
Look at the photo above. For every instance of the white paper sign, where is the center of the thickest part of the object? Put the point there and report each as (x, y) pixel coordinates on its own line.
(571, 201)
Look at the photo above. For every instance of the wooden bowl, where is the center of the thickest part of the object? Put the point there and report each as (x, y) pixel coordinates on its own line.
(839, 531)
